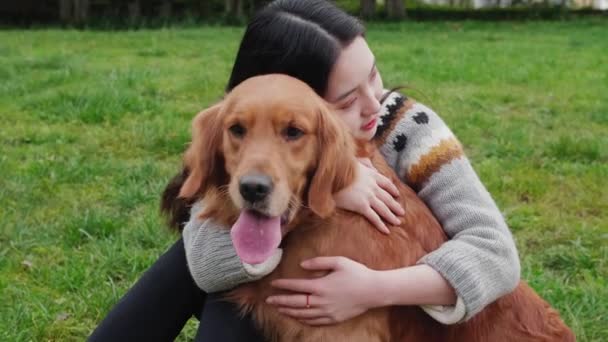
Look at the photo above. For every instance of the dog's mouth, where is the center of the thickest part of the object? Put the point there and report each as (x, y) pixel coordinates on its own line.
(256, 236)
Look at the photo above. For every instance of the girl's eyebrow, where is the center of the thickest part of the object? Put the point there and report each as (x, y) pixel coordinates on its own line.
(355, 88)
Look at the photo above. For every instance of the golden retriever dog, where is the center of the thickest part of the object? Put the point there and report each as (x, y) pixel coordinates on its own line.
(267, 160)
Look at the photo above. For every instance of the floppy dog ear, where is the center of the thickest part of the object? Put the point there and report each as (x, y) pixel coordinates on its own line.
(202, 158)
(337, 164)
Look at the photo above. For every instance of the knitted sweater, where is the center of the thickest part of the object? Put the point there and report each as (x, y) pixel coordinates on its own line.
(479, 261)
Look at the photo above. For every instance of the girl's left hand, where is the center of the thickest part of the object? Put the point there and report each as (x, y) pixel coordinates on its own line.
(372, 195)
(345, 292)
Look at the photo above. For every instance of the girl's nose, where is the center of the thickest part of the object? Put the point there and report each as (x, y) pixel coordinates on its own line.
(371, 104)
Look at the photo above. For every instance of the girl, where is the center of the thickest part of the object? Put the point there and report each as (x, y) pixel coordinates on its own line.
(326, 48)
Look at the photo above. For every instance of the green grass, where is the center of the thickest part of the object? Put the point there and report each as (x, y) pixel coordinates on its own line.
(93, 124)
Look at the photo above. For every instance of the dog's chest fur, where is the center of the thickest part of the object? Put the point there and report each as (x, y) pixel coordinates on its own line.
(350, 235)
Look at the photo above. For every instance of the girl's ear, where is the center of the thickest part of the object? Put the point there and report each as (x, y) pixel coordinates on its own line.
(202, 158)
(337, 163)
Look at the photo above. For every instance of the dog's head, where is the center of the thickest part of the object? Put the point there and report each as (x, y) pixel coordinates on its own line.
(276, 147)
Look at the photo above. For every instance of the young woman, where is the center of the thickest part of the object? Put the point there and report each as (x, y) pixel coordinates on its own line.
(326, 48)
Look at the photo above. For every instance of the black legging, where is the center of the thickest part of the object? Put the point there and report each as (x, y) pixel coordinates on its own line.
(163, 300)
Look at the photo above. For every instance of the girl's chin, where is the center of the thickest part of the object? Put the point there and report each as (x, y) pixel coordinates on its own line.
(366, 135)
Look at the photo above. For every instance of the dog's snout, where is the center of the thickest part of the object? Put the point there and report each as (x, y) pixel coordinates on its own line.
(255, 188)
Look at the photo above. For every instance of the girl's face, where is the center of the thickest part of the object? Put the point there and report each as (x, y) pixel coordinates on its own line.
(355, 88)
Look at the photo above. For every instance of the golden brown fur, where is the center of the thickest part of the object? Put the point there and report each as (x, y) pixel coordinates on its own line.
(311, 170)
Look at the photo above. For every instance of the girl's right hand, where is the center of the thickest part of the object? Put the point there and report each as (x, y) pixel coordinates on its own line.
(373, 196)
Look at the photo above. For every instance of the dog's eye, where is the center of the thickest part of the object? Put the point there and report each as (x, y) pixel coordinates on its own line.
(237, 130)
(292, 133)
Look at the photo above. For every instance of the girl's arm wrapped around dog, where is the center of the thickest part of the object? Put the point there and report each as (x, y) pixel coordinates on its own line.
(480, 260)
(212, 259)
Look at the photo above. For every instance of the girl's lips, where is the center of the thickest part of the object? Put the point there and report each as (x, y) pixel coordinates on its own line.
(370, 124)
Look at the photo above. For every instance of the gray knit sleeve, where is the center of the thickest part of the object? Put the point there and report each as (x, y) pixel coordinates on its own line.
(480, 260)
(211, 257)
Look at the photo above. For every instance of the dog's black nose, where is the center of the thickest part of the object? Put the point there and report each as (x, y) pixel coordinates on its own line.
(255, 188)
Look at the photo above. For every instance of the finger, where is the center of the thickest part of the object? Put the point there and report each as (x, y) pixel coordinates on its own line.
(297, 285)
(318, 321)
(392, 204)
(323, 263)
(385, 212)
(373, 217)
(387, 185)
(297, 301)
(387, 207)
(311, 313)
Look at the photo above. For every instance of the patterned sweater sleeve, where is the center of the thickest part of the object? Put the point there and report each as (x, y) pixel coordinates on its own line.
(480, 260)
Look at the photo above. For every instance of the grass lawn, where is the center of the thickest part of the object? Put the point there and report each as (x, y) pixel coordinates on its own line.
(93, 124)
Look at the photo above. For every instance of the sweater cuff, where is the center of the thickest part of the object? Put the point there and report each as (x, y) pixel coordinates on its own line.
(447, 314)
(453, 262)
(218, 268)
(258, 271)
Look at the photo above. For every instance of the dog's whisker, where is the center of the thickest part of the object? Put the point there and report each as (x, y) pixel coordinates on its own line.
(294, 202)
(302, 204)
(224, 189)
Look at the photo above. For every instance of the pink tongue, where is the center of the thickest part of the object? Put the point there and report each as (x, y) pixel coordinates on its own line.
(255, 237)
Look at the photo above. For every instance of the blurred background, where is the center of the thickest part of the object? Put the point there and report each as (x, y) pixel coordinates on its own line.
(134, 12)
(97, 96)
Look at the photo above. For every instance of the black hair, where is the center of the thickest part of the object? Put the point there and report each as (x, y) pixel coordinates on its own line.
(300, 38)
